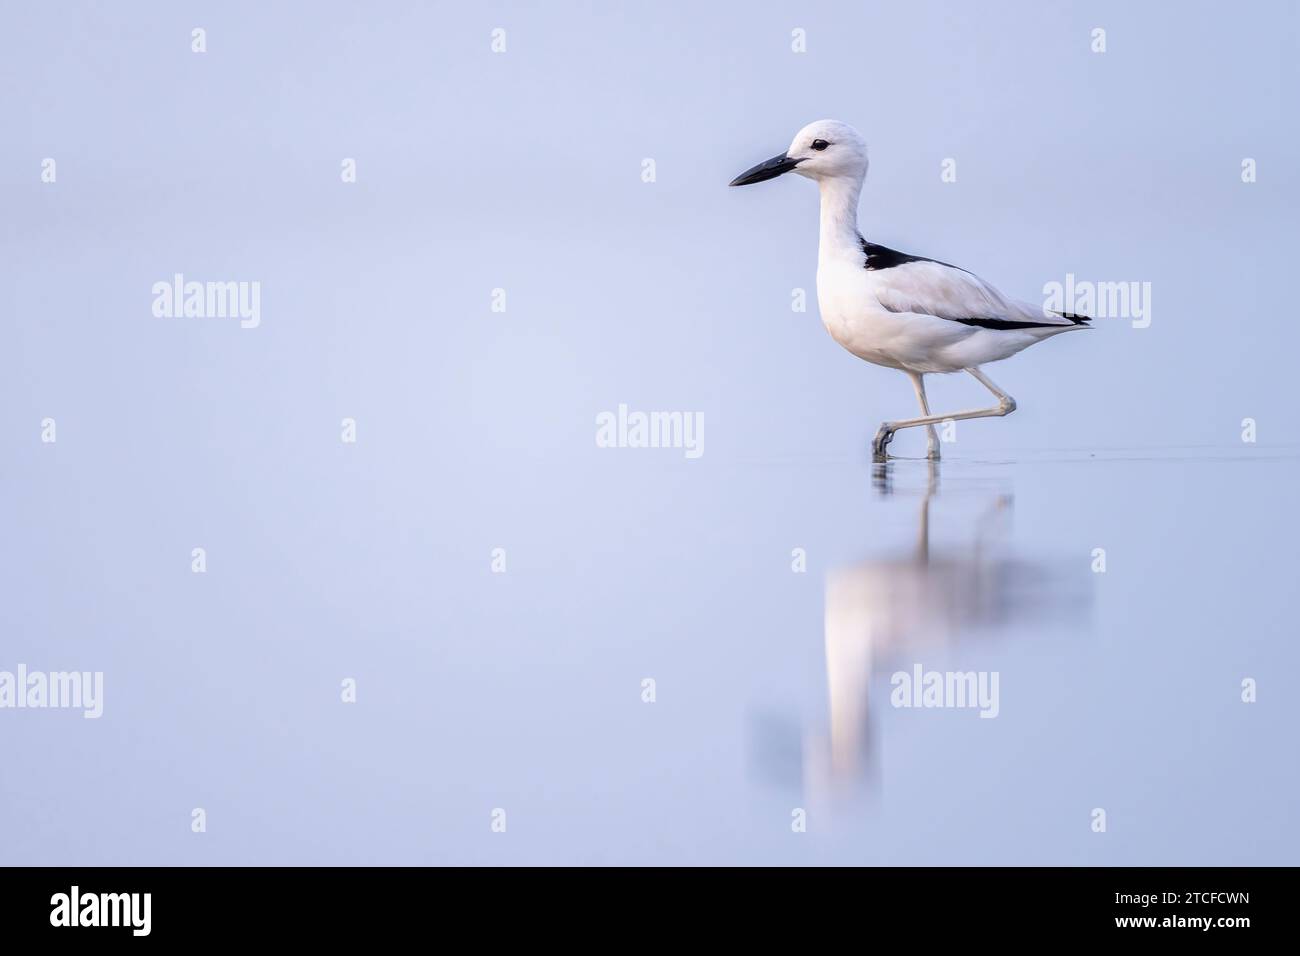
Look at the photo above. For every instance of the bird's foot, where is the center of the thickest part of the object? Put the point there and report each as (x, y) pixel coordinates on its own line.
(931, 444)
(881, 442)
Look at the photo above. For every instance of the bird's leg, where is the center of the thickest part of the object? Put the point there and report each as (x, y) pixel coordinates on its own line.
(1005, 406)
(931, 436)
(1006, 403)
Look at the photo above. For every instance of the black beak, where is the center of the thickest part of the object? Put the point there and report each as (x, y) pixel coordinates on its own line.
(767, 170)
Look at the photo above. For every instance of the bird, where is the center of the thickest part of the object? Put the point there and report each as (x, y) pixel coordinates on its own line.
(902, 311)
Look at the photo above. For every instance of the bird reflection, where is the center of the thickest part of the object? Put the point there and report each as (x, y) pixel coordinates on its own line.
(908, 605)
(891, 610)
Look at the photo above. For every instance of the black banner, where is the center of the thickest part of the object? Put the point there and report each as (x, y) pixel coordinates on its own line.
(337, 905)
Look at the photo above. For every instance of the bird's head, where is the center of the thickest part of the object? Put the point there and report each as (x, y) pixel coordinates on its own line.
(826, 149)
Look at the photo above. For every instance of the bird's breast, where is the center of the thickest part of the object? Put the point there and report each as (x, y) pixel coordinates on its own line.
(852, 314)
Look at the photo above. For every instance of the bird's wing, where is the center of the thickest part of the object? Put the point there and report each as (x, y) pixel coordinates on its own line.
(927, 287)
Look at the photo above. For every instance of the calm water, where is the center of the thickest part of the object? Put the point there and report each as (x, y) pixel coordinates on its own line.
(523, 690)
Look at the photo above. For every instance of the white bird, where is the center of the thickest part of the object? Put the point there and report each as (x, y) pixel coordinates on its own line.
(898, 310)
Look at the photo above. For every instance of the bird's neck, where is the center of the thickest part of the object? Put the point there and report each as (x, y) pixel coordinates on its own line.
(839, 219)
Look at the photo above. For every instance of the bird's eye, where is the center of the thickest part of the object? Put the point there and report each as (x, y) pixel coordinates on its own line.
(819, 144)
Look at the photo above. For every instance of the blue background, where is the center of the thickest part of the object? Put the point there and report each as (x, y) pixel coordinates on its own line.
(521, 690)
